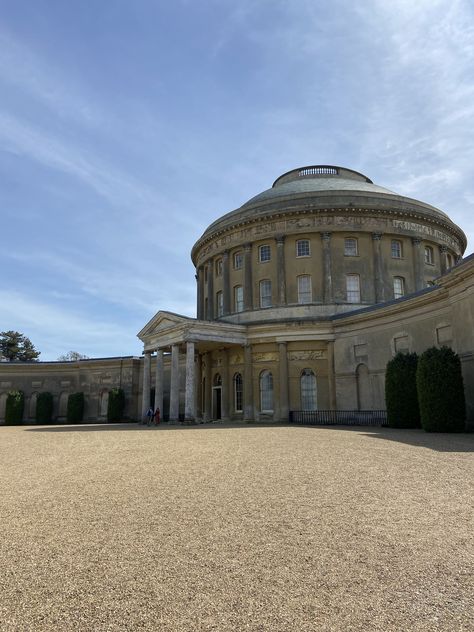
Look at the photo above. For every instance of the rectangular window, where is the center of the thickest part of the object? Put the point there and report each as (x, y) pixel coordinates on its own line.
(305, 293)
(219, 267)
(238, 298)
(396, 249)
(265, 293)
(238, 392)
(353, 288)
(219, 304)
(429, 255)
(350, 247)
(398, 287)
(264, 253)
(302, 248)
(238, 261)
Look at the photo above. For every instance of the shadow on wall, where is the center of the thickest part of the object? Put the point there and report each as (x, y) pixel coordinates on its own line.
(437, 441)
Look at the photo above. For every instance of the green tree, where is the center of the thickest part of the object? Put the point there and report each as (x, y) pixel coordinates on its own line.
(401, 397)
(75, 408)
(116, 405)
(441, 391)
(72, 356)
(44, 408)
(16, 346)
(14, 408)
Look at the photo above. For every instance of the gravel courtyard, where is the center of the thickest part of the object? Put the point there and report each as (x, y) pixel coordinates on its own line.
(223, 528)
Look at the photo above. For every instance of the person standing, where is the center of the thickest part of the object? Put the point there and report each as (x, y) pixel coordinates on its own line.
(157, 416)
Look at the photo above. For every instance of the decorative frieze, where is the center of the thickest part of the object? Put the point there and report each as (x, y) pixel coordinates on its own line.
(317, 354)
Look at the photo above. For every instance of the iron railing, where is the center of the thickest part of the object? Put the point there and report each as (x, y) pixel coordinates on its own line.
(339, 417)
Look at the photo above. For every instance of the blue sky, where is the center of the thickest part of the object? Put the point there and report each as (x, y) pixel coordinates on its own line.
(127, 127)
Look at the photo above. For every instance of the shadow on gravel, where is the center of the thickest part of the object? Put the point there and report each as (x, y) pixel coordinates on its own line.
(440, 442)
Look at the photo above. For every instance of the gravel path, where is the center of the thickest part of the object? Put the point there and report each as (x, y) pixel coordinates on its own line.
(108, 528)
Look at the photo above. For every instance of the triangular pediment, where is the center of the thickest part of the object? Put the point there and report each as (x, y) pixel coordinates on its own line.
(162, 321)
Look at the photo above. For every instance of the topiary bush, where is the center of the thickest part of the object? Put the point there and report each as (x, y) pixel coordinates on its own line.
(75, 408)
(116, 405)
(15, 405)
(401, 397)
(44, 408)
(441, 391)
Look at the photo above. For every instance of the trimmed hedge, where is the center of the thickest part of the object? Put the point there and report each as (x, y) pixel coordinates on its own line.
(401, 397)
(44, 408)
(75, 408)
(116, 405)
(441, 391)
(15, 405)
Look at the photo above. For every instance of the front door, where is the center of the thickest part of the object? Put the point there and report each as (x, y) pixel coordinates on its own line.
(216, 402)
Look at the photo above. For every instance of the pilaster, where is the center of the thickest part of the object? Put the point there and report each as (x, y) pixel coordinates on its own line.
(174, 385)
(327, 268)
(281, 270)
(378, 269)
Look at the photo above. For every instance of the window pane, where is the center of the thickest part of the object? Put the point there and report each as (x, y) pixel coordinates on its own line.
(264, 253)
(238, 261)
(239, 298)
(396, 249)
(219, 267)
(398, 287)
(304, 289)
(302, 248)
(266, 391)
(350, 247)
(308, 390)
(353, 288)
(238, 393)
(220, 303)
(265, 293)
(428, 254)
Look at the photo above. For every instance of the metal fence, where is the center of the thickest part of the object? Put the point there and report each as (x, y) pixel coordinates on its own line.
(339, 417)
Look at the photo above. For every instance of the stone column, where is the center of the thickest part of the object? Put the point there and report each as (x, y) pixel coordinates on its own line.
(443, 256)
(174, 385)
(210, 291)
(378, 269)
(225, 404)
(284, 390)
(327, 268)
(207, 391)
(200, 293)
(198, 390)
(249, 412)
(418, 263)
(331, 377)
(225, 283)
(159, 381)
(146, 383)
(248, 288)
(281, 270)
(190, 391)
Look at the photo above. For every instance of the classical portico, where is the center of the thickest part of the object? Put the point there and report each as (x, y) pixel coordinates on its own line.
(188, 344)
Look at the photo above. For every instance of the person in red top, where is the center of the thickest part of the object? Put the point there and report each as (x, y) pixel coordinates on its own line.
(157, 416)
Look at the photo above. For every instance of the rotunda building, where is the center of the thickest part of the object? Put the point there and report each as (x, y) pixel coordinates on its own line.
(322, 240)
(303, 295)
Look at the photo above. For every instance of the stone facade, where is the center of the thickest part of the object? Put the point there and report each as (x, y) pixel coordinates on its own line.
(303, 295)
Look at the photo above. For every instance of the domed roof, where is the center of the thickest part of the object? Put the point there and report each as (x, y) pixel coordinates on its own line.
(316, 179)
(321, 188)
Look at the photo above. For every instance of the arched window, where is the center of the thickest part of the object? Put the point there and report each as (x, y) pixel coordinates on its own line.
(266, 392)
(305, 292)
(238, 298)
(265, 293)
(308, 390)
(350, 247)
(352, 288)
(238, 390)
(33, 398)
(219, 304)
(104, 403)
(429, 258)
(398, 287)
